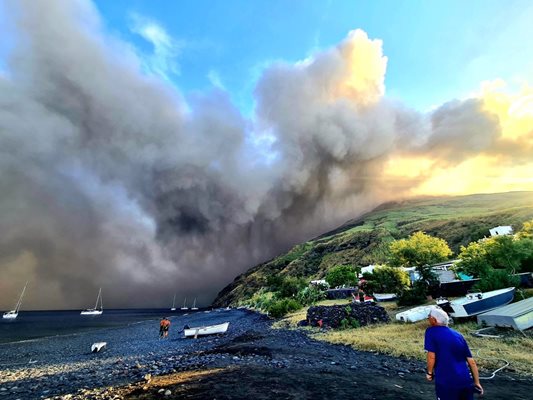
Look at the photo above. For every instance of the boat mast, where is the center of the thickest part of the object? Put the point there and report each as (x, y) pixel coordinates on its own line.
(19, 303)
(99, 297)
(174, 301)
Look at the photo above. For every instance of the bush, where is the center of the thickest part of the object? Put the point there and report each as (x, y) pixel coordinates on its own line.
(386, 280)
(291, 286)
(348, 323)
(415, 295)
(341, 275)
(496, 279)
(279, 308)
(310, 295)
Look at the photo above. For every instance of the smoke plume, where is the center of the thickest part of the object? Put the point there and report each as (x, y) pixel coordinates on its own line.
(111, 178)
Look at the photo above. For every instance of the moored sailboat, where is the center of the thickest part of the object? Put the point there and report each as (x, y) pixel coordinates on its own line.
(95, 310)
(194, 308)
(173, 308)
(15, 312)
(184, 308)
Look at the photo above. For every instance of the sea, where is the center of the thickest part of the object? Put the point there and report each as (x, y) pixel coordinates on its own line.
(38, 324)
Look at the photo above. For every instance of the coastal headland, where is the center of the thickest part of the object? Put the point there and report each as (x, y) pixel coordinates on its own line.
(252, 360)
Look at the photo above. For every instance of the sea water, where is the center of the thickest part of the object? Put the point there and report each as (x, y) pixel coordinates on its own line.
(37, 324)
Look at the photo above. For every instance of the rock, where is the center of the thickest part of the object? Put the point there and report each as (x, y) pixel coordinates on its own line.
(168, 393)
(332, 316)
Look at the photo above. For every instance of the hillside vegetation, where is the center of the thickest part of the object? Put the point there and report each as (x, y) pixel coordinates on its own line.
(365, 240)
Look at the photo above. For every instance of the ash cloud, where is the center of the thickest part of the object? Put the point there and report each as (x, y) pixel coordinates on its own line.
(111, 178)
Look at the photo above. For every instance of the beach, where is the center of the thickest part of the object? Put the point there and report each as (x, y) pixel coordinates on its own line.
(252, 360)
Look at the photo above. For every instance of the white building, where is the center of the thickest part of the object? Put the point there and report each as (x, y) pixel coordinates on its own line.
(501, 230)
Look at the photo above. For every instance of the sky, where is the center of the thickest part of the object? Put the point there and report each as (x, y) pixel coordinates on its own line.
(162, 147)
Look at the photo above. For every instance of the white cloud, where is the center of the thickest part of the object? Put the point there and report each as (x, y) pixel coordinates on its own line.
(162, 61)
(214, 78)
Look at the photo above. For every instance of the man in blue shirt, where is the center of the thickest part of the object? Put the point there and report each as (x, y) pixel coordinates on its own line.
(449, 361)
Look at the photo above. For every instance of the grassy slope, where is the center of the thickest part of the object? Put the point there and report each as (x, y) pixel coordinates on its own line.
(459, 220)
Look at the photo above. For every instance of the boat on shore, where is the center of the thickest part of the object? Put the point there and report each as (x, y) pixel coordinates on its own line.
(385, 296)
(205, 330)
(415, 314)
(517, 315)
(13, 314)
(476, 303)
(96, 310)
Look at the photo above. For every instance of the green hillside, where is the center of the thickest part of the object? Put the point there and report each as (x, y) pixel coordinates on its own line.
(458, 220)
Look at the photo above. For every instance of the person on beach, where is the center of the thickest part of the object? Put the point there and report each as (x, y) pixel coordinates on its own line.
(449, 360)
(164, 325)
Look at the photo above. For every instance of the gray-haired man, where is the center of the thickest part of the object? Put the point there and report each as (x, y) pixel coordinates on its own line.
(449, 360)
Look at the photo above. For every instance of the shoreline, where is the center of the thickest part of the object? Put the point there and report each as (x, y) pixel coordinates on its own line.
(251, 360)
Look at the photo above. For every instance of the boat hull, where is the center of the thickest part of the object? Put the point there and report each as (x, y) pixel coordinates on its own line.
(206, 330)
(488, 301)
(385, 296)
(91, 312)
(415, 314)
(10, 315)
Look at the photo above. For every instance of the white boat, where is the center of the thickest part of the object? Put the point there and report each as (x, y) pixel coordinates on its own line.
(15, 312)
(206, 330)
(476, 303)
(96, 347)
(415, 314)
(184, 308)
(173, 308)
(95, 310)
(194, 308)
(384, 296)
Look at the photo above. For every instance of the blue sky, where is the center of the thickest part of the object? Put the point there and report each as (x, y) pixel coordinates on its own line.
(437, 51)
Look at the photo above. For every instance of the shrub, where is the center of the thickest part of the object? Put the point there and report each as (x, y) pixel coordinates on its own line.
(415, 295)
(386, 280)
(341, 275)
(496, 279)
(348, 323)
(291, 286)
(279, 308)
(310, 295)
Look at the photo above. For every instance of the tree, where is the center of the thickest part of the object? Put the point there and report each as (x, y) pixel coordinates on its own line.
(341, 275)
(527, 230)
(501, 252)
(387, 280)
(418, 250)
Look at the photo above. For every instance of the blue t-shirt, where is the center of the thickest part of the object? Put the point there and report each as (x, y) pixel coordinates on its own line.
(451, 352)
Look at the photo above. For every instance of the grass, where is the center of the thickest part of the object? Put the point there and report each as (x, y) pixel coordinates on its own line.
(407, 340)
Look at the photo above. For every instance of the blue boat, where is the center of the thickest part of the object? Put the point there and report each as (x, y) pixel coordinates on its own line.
(477, 303)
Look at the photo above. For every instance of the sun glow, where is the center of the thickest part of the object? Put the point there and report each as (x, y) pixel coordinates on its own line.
(506, 167)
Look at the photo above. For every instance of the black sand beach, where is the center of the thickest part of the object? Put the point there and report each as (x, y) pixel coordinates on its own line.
(251, 360)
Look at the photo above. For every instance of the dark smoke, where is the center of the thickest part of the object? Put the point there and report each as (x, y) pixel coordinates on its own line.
(110, 178)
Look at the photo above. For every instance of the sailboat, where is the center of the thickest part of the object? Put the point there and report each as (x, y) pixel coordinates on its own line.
(173, 308)
(184, 308)
(95, 310)
(194, 308)
(14, 313)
